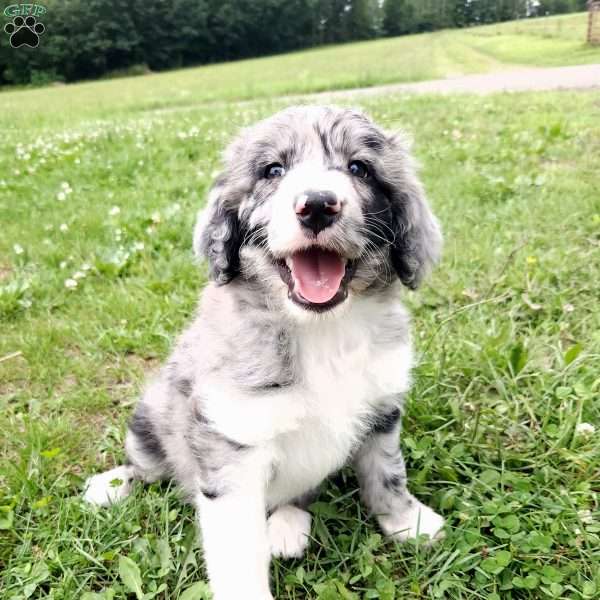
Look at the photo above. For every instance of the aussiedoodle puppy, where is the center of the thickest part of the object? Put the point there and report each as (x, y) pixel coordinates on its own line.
(299, 356)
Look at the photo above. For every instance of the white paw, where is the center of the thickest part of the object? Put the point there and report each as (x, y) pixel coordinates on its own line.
(417, 520)
(288, 529)
(108, 487)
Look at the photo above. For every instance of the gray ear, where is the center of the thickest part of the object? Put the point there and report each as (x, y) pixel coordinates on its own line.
(217, 237)
(418, 238)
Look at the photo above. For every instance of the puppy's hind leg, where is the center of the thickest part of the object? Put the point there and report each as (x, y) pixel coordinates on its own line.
(146, 459)
(109, 487)
(382, 475)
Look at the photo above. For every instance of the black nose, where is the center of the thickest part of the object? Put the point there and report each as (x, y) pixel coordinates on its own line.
(317, 209)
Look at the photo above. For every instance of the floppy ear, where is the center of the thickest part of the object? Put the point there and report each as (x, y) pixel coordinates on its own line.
(418, 239)
(218, 237)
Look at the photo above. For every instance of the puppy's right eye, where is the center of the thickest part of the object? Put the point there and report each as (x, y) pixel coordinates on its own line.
(274, 170)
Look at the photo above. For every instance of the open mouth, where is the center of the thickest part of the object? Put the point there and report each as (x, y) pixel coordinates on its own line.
(317, 279)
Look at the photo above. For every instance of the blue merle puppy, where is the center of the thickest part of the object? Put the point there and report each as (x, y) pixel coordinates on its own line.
(299, 355)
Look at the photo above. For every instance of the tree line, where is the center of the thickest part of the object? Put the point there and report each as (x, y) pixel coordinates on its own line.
(86, 39)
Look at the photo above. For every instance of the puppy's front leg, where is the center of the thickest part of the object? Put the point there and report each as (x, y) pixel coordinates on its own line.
(234, 535)
(382, 475)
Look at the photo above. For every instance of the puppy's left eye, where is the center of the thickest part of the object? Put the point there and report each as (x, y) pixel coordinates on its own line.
(358, 169)
(274, 170)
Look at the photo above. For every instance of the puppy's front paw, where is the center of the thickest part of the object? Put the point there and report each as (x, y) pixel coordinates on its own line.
(416, 520)
(288, 529)
(108, 487)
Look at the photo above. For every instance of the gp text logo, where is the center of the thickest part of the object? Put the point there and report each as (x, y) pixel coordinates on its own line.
(24, 10)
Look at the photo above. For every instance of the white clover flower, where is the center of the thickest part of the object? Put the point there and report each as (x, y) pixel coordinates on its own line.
(64, 227)
(139, 246)
(78, 275)
(65, 185)
(70, 284)
(63, 264)
(86, 267)
(61, 196)
(585, 429)
(586, 516)
(18, 249)
(114, 211)
(155, 217)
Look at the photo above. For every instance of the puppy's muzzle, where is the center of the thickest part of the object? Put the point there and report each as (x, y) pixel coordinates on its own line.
(317, 210)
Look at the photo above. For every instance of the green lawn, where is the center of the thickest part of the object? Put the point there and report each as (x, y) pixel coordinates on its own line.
(97, 201)
(544, 42)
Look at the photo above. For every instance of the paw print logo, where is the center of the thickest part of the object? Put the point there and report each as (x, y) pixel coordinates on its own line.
(24, 32)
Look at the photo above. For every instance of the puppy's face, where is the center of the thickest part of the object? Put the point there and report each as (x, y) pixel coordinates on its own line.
(318, 204)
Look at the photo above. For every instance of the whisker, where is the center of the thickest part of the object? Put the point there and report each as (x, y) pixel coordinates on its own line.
(378, 222)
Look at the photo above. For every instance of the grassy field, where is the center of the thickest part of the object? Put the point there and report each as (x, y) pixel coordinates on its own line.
(502, 436)
(544, 42)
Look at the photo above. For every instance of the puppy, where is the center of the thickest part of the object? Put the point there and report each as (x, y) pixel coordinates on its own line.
(299, 355)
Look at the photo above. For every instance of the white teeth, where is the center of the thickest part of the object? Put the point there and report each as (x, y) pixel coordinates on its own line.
(289, 262)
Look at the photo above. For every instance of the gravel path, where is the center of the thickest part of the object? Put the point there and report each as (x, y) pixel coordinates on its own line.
(579, 77)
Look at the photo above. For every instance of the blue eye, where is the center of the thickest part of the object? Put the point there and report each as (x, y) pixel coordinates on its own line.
(274, 170)
(358, 169)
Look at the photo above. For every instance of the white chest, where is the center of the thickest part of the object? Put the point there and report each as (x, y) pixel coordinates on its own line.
(344, 376)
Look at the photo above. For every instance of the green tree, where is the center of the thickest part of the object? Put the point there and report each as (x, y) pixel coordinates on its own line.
(362, 19)
(397, 17)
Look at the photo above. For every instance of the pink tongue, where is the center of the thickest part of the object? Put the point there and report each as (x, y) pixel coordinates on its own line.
(317, 274)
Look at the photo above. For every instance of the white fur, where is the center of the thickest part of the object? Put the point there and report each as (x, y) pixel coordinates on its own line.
(418, 520)
(288, 529)
(234, 532)
(109, 487)
(328, 411)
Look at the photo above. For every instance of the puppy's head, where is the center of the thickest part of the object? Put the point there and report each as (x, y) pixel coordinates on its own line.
(318, 204)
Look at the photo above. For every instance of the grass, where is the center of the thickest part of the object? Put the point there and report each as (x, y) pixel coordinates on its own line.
(96, 280)
(543, 42)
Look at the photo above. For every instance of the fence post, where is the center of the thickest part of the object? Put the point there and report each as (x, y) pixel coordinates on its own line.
(593, 32)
